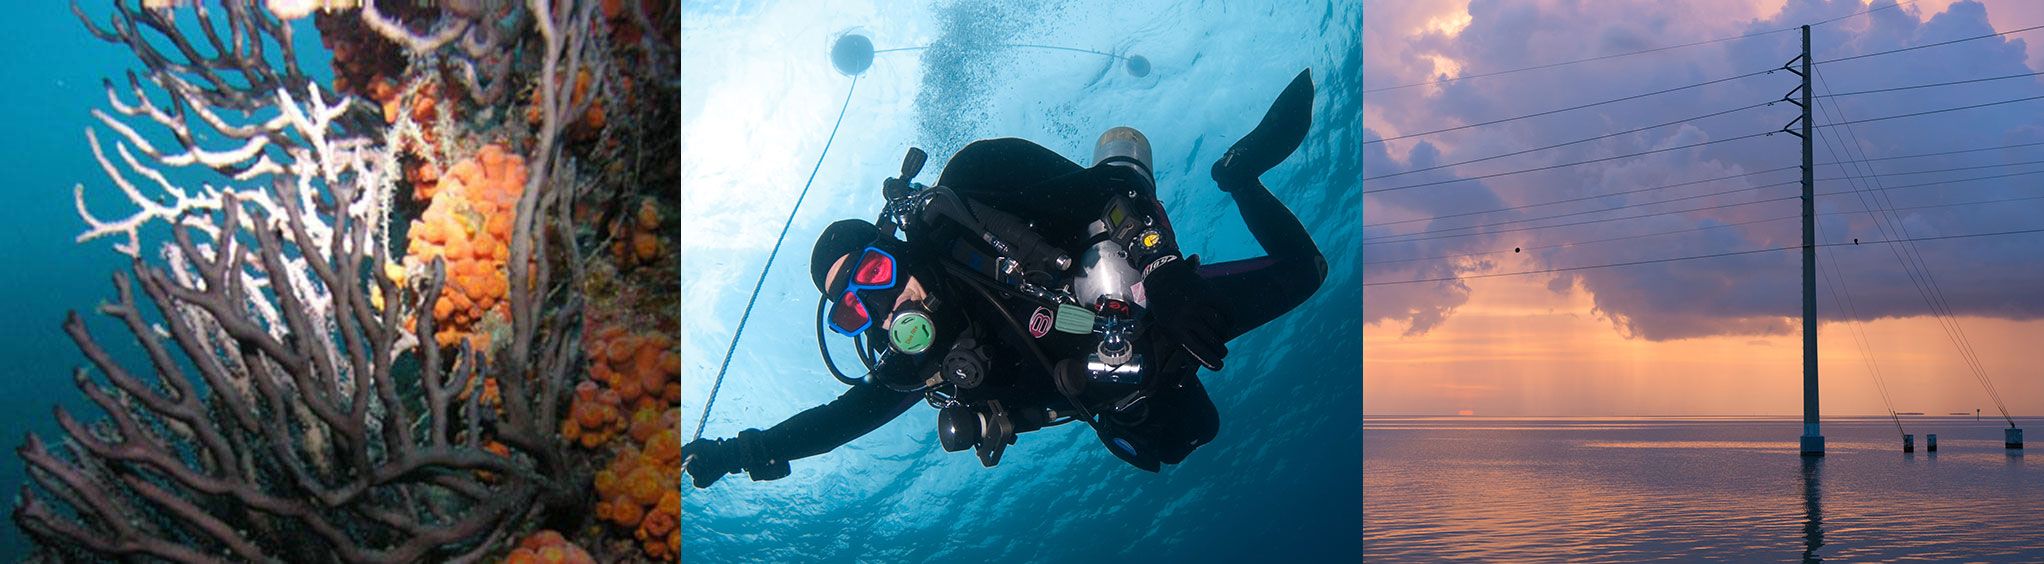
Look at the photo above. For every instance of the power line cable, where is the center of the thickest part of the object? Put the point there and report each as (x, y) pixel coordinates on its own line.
(1955, 152)
(1929, 112)
(1433, 234)
(1641, 153)
(1934, 297)
(1413, 236)
(1565, 144)
(1565, 165)
(1628, 54)
(1692, 257)
(1403, 237)
(1665, 186)
(1848, 307)
(1573, 108)
(1931, 85)
(1917, 271)
(1852, 328)
(1576, 199)
(1932, 293)
(1529, 250)
(1925, 46)
(1686, 87)
(1694, 182)
(1378, 240)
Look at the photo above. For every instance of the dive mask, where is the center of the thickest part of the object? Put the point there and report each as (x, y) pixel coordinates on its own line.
(864, 286)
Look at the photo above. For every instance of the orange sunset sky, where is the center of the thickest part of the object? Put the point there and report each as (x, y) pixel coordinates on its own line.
(1517, 349)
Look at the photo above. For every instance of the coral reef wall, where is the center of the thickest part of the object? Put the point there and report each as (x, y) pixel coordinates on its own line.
(421, 311)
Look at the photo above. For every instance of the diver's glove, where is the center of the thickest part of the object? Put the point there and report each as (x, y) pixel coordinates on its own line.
(1282, 129)
(1187, 309)
(710, 460)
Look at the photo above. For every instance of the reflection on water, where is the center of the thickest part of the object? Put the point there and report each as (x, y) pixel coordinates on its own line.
(1718, 489)
(1813, 508)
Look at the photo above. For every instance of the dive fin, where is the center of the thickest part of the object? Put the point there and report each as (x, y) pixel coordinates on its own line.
(1274, 139)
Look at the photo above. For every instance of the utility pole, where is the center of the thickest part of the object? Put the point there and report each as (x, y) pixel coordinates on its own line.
(1813, 438)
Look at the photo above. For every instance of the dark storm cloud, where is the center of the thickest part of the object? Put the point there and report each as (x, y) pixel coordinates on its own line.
(1752, 294)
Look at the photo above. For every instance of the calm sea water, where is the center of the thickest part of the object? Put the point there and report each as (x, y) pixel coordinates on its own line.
(1696, 489)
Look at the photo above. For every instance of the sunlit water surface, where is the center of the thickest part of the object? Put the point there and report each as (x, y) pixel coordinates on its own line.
(1690, 489)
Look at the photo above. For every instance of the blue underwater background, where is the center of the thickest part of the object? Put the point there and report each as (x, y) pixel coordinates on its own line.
(759, 96)
(51, 85)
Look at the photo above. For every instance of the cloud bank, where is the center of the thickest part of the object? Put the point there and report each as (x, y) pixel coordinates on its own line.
(1407, 237)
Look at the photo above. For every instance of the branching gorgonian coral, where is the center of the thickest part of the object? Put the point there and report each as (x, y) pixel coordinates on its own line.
(289, 410)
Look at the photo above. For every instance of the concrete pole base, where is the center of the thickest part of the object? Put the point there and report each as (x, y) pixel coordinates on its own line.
(2012, 438)
(1908, 443)
(1930, 442)
(1813, 445)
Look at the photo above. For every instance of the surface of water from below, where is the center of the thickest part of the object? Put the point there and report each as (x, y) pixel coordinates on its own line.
(1691, 489)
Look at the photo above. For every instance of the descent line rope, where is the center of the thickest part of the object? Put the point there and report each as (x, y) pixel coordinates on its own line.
(768, 267)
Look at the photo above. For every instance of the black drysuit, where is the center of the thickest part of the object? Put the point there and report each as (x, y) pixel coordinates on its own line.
(1034, 183)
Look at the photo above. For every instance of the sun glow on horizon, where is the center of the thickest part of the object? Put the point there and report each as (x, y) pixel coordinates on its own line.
(1518, 349)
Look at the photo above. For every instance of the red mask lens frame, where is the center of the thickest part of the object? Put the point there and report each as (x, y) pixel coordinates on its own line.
(875, 270)
(848, 315)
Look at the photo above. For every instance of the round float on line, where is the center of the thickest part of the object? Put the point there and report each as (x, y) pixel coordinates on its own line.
(1138, 66)
(852, 54)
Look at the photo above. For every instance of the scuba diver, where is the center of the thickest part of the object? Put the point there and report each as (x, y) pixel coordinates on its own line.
(1030, 292)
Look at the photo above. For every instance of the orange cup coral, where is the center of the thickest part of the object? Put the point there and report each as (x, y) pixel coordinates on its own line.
(548, 547)
(468, 224)
(638, 238)
(594, 417)
(637, 491)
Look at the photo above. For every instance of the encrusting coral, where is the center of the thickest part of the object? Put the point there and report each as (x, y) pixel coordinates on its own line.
(390, 324)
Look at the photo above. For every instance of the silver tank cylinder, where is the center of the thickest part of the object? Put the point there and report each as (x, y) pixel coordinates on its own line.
(1104, 271)
(1124, 141)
